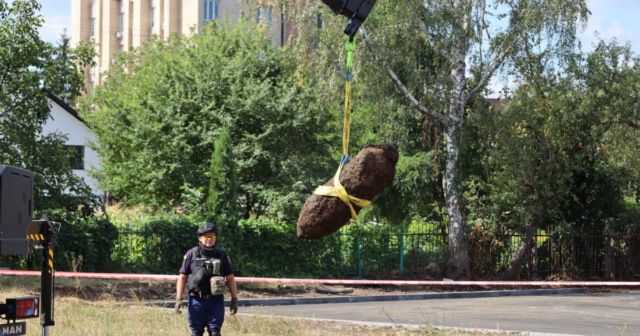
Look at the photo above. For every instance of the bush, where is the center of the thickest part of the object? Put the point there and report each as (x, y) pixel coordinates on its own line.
(267, 247)
(154, 244)
(263, 247)
(257, 247)
(92, 238)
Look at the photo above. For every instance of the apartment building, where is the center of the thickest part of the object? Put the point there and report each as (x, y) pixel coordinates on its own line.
(117, 25)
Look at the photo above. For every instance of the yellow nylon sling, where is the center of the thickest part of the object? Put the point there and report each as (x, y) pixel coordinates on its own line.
(338, 190)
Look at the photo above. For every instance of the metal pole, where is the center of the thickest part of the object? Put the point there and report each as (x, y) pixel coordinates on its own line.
(130, 242)
(402, 254)
(535, 256)
(358, 247)
(46, 292)
(281, 264)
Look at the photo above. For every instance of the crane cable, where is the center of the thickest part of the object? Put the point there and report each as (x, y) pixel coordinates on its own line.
(338, 190)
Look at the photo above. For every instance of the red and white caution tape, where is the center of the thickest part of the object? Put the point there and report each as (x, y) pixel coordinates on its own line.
(120, 276)
(113, 276)
(441, 283)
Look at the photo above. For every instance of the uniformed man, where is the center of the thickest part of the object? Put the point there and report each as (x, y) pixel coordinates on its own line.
(204, 271)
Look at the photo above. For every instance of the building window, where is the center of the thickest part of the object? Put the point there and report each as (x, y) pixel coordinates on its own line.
(153, 17)
(319, 21)
(93, 27)
(264, 17)
(211, 9)
(76, 156)
(121, 22)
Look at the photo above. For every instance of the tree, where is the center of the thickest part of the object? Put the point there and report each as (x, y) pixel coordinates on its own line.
(26, 63)
(223, 193)
(62, 78)
(162, 106)
(413, 194)
(455, 29)
(377, 116)
(558, 153)
(466, 42)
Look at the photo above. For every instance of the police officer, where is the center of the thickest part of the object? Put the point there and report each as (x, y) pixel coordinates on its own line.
(204, 269)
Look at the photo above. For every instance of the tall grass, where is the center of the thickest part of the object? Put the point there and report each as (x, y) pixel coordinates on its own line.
(109, 317)
(76, 318)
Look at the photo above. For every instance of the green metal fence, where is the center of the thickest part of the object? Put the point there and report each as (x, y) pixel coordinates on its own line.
(352, 251)
(136, 248)
(385, 249)
(365, 250)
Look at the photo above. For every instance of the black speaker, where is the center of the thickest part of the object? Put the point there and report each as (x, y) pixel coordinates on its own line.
(16, 209)
(356, 10)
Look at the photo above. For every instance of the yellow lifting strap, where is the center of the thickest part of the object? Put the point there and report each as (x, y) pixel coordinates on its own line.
(338, 190)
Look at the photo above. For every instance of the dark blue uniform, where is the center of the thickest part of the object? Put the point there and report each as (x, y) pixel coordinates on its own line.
(206, 311)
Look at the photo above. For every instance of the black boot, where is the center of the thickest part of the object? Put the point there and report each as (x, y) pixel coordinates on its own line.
(215, 332)
(193, 333)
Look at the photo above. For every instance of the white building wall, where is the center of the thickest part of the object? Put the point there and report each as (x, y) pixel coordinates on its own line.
(78, 134)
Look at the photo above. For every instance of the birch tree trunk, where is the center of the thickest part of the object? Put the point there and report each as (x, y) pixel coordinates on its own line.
(458, 265)
(452, 28)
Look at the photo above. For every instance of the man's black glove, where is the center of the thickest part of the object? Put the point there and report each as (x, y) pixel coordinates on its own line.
(234, 306)
(178, 305)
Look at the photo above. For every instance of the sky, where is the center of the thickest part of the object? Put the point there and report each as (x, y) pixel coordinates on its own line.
(57, 16)
(611, 18)
(619, 19)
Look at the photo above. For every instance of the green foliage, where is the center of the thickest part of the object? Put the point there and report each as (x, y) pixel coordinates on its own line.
(65, 76)
(223, 194)
(192, 201)
(558, 155)
(268, 247)
(414, 193)
(160, 242)
(92, 238)
(428, 48)
(154, 243)
(156, 122)
(379, 115)
(224, 124)
(27, 62)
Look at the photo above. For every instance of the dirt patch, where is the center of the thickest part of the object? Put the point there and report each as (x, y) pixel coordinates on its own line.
(165, 291)
(131, 291)
(136, 291)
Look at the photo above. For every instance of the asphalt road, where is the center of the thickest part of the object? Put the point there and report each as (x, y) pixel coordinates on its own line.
(575, 314)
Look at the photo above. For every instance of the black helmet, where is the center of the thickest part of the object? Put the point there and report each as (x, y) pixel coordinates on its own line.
(207, 227)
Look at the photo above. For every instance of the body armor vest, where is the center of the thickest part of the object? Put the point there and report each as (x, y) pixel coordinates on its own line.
(205, 278)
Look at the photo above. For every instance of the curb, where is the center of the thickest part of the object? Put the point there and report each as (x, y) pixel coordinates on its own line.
(397, 297)
(415, 326)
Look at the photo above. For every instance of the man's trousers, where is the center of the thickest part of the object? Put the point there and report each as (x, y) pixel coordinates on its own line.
(207, 312)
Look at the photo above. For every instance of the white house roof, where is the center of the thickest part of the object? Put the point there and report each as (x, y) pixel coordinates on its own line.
(62, 104)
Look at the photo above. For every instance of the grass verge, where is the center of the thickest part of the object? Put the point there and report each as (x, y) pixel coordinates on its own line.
(80, 319)
(75, 317)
